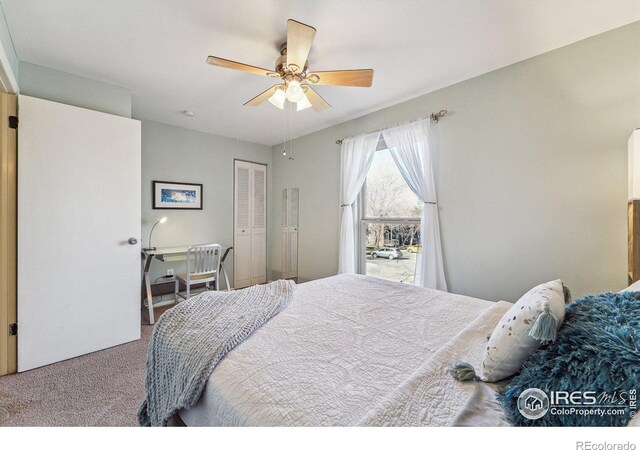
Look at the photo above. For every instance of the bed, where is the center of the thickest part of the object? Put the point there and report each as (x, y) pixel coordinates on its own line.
(356, 350)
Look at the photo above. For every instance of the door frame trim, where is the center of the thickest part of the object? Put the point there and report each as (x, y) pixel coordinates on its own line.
(8, 80)
(8, 234)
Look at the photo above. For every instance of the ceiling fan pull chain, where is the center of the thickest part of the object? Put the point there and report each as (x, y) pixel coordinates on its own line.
(290, 131)
(284, 132)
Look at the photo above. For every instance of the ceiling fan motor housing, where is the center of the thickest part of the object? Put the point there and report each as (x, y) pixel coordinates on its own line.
(281, 64)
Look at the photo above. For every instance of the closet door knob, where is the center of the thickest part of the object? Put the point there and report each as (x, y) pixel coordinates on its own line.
(132, 241)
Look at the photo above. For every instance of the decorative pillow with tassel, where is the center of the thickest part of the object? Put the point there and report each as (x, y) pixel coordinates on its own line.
(597, 351)
(532, 320)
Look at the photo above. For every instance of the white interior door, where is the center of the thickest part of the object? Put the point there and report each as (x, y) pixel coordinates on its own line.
(79, 187)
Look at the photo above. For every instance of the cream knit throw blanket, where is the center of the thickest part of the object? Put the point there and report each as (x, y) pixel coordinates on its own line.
(190, 339)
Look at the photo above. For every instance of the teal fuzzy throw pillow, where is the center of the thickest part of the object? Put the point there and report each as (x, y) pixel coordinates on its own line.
(597, 352)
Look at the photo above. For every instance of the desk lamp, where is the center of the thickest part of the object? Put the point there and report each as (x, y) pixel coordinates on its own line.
(150, 248)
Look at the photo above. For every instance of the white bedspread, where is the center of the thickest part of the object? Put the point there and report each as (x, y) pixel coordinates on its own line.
(349, 350)
(430, 396)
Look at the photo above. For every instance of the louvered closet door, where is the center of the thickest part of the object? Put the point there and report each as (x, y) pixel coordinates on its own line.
(290, 207)
(250, 224)
(259, 224)
(293, 232)
(284, 241)
(242, 225)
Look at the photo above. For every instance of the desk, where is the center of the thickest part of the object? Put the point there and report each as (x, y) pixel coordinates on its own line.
(167, 254)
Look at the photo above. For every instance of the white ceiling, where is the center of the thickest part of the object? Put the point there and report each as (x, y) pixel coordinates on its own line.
(157, 48)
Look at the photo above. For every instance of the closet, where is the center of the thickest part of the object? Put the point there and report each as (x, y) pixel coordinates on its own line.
(250, 224)
(290, 203)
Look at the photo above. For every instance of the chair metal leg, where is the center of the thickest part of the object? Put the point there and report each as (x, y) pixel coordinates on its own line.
(176, 290)
(188, 289)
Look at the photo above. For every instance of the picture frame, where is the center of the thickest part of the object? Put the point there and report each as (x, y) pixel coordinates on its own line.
(176, 195)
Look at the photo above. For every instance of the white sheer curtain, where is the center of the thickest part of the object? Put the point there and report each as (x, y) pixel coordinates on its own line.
(409, 147)
(357, 155)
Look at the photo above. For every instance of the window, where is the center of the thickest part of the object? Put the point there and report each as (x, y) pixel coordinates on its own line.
(390, 222)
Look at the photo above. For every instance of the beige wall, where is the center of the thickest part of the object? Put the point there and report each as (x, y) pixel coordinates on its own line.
(531, 167)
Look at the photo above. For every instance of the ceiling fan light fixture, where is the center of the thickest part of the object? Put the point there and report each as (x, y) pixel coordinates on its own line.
(303, 103)
(294, 91)
(278, 98)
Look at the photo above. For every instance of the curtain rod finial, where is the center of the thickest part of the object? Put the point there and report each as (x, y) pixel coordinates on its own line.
(439, 115)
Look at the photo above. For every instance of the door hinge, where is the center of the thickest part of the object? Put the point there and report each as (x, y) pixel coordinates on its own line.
(13, 329)
(13, 122)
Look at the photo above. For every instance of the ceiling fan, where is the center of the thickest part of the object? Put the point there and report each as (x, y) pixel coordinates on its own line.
(291, 68)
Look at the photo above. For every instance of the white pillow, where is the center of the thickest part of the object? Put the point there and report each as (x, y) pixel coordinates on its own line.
(510, 343)
(635, 287)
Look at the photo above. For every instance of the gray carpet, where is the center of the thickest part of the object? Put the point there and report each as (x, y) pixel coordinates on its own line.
(100, 389)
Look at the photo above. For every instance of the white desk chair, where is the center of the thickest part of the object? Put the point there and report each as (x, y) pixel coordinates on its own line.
(203, 266)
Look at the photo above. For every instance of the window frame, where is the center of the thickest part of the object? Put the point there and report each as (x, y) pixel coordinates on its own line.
(363, 220)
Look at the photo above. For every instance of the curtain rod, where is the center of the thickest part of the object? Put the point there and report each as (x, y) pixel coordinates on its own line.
(433, 116)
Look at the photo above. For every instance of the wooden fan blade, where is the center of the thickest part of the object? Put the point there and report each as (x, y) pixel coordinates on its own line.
(262, 97)
(318, 103)
(299, 40)
(221, 62)
(358, 77)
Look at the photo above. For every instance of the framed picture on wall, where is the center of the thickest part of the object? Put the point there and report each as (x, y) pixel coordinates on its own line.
(169, 195)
